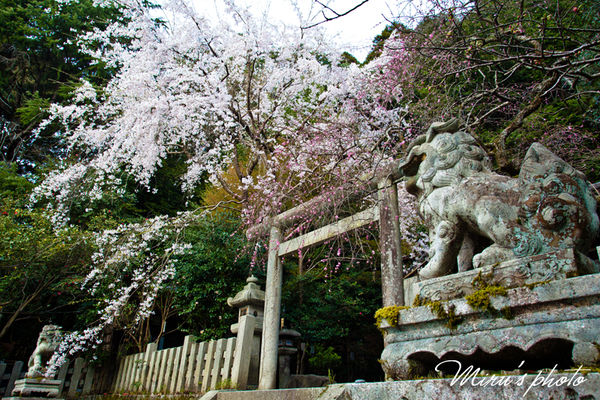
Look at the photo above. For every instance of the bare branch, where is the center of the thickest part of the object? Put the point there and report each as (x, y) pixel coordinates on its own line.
(337, 15)
(226, 187)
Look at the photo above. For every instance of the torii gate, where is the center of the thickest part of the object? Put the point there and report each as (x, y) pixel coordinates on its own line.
(385, 182)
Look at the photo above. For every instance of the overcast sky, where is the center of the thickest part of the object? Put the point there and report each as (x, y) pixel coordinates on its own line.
(355, 31)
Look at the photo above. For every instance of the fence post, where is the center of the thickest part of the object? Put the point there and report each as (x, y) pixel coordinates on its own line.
(148, 356)
(210, 356)
(218, 364)
(89, 377)
(183, 363)
(130, 371)
(62, 374)
(188, 381)
(137, 371)
(13, 377)
(228, 362)
(117, 383)
(158, 368)
(75, 377)
(200, 363)
(152, 366)
(160, 384)
(173, 370)
(243, 352)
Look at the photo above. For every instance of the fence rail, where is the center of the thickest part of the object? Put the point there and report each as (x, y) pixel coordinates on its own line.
(193, 367)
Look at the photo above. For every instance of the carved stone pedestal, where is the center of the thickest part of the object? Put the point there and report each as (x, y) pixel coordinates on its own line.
(555, 265)
(35, 388)
(545, 324)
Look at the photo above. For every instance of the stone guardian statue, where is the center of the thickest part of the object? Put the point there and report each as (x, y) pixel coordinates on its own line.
(479, 218)
(47, 344)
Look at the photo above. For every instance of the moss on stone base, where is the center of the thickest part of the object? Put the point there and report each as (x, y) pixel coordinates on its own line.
(388, 313)
(440, 311)
(480, 300)
(533, 285)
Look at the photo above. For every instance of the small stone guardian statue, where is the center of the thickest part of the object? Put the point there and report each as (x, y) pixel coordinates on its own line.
(36, 385)
(47, 344)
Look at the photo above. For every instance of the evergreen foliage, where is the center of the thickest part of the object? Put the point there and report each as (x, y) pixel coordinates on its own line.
(40, 267)
(41, 63)
(215, 268)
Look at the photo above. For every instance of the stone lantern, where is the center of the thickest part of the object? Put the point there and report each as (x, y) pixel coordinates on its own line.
(250, 301)
(285, 349)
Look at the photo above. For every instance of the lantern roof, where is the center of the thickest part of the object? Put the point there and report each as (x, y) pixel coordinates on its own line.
(251, 294)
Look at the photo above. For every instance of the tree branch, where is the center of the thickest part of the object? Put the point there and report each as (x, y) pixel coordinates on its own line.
(337, 15)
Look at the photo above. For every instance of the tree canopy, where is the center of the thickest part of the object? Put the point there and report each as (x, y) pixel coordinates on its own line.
(515, 72)
(41, 62)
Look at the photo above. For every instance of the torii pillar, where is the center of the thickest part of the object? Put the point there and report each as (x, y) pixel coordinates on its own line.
(392, 277)
(270, 333)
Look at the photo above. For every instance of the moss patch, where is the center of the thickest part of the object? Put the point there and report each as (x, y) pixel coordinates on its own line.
(507, 313)
(437, 309)
(480, 300)
(388, 313)
(453, 319)
(418, 302)
(533, 285)
(440, 311)
(481, 281)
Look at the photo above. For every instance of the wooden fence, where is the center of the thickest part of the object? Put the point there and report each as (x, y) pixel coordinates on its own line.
(193, 367)
(8, 377)
(76, 376)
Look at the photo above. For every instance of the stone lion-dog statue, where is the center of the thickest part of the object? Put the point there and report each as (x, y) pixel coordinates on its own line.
(47, 343)
(477, 217)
